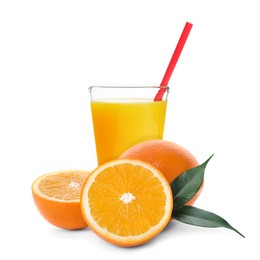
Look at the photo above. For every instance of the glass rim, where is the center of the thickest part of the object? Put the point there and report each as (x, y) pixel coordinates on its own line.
(128, 86)
(93, 90)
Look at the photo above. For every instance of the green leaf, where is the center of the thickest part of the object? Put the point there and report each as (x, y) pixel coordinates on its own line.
(186, 185)
(198, 217)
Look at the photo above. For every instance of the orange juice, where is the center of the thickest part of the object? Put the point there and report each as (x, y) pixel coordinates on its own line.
(121, 124)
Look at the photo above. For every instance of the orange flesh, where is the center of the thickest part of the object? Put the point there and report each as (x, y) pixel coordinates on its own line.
(127, 201)
(63, 186)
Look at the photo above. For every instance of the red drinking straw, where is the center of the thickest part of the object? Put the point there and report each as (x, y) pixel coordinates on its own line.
(173, 61)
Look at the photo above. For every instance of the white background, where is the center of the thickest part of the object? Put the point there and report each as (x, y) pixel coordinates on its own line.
(51, 51)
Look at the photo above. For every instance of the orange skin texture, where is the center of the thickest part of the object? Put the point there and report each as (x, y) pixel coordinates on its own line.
(65, 215)
(168, 157)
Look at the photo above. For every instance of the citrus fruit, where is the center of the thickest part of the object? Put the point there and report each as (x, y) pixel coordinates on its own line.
(168, 157)
(57, 197)
(126, 202)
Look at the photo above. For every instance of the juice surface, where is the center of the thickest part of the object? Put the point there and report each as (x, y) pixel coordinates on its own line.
(119, 125)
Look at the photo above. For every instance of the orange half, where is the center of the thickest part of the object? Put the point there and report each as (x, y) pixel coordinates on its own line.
(126, 202)
(57, 197)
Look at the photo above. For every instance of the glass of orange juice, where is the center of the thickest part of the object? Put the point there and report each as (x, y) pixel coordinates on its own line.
(124, 116)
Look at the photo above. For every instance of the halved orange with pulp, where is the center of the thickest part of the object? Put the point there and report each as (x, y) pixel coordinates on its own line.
(57, 197)
(126, 202)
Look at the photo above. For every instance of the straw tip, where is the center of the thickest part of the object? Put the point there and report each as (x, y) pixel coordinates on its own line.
(189, 24)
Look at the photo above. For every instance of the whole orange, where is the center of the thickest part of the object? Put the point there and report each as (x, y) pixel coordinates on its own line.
(168, 157)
